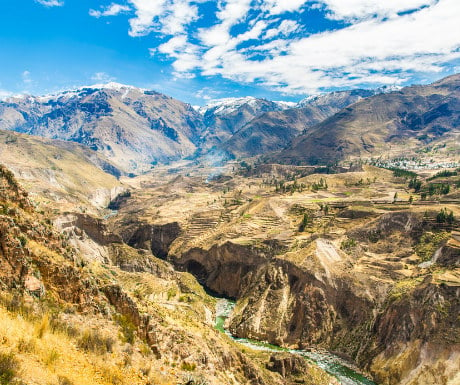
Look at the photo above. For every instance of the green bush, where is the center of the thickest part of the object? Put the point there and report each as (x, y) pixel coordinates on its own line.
(127, 328)
(9, 367)
(347, 244)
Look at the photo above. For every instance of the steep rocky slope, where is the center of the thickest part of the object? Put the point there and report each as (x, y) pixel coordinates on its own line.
(132, 127)
(69, 317)
(136, 128)
(399, 123)
(341, 99)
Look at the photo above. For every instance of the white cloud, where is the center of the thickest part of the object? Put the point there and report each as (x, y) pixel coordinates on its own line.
(381, 42)
(183, 75)
(180, 13)
(51, 3)
(276, 7)
(112, 10)
(146, 12)
(102, 77)
(284, 29)
(350, 56)
(358, 9)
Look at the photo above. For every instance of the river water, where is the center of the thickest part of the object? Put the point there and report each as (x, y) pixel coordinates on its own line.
(327, 361)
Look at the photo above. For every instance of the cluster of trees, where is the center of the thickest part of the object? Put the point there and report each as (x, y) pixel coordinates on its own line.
(429, 189)
(445, 217)
(361, 182)
(443, 174)
(415, 184)
(306, 220)
(321, 185)
(401, 173)
(435, 189)
(292, 187)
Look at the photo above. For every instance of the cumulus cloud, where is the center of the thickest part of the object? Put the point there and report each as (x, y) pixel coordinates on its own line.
(264, 41)
(112, 10)
(51, 3)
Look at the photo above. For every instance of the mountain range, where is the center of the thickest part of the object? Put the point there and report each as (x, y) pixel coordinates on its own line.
(402, 122)
(135, 129)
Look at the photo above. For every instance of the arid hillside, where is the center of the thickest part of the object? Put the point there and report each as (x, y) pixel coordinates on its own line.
(114, 316)
(411, 121)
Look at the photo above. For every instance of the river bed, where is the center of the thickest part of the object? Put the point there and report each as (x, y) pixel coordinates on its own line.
(330, 363)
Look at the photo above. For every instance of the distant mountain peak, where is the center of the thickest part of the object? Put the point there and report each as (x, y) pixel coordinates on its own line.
(227, 106)
(74, 92)
(112, 86)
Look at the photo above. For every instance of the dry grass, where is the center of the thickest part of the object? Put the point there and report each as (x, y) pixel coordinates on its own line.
(36, 352)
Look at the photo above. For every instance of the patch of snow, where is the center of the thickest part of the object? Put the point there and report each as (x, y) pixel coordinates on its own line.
(285, 105)
(227, 106)
(68, 94)
(111, 86)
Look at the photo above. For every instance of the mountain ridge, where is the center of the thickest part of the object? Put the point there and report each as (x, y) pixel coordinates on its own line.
(404, 121)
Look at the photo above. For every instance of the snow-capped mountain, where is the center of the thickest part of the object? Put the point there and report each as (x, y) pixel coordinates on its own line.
(136, 128)
(226, 106)
(341, 99)
(224, 117)
(132, 126)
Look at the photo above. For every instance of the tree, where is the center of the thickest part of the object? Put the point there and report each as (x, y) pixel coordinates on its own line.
(442, 216)
(304, 222)
(450, 218)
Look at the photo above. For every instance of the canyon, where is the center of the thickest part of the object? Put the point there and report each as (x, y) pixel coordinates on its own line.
(125, 215)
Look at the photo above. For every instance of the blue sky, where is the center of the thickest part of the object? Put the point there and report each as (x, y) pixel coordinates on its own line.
(203, 50)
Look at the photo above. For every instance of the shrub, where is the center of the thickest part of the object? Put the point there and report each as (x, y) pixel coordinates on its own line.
(52, 357)
(92, 341)
(111, 374)
(9, 367)
(428, 244)
(127, 328)
(190, 367)
(26, 345)
(190, 379)
(22, 240)
(347, 244)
